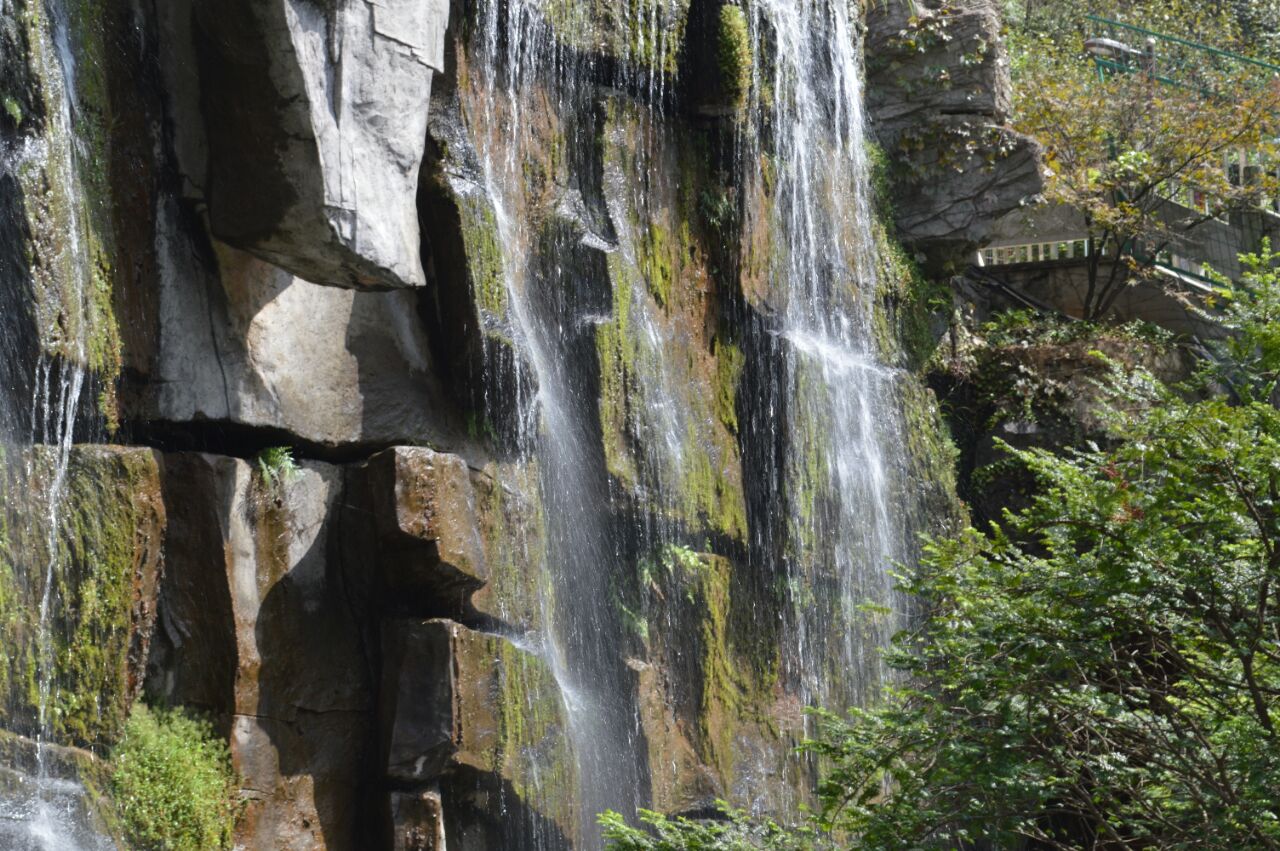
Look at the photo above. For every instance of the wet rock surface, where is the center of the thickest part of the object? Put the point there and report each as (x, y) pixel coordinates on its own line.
(259, 631)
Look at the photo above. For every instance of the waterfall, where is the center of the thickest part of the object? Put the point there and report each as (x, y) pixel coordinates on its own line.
(542, 283)
(844, 431)
(40, 409)
(839, 488)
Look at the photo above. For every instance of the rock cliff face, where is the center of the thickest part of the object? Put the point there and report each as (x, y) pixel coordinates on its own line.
(938, 94)
(561, 524)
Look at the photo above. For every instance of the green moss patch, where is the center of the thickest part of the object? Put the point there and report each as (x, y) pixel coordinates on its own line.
(733, 54)
(105, 557)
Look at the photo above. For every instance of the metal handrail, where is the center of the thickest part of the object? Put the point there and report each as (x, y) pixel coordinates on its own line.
(1040, 252)
(1215, 51)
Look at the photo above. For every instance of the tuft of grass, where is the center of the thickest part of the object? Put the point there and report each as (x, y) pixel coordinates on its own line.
(173, 783)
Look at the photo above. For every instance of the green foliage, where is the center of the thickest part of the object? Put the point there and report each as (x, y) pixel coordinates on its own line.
(1058, 25)
(1251, 353)
(1026, 327)
(173, 783)
(276, 466)
(733, 53)
(1102, 667)
(12, 108)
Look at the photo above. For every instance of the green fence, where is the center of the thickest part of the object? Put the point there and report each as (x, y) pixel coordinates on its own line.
(1118, 47)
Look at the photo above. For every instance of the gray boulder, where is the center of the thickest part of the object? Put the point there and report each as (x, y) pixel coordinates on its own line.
(938, 97)
(246, 343)
(310, 130)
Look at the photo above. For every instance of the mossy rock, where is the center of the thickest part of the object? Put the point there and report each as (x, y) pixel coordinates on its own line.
(640, 35)
(711, 691)
(104, 559)
(669, 370)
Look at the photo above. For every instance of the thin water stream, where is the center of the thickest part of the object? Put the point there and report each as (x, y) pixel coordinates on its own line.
(38, 810)
(844, 432)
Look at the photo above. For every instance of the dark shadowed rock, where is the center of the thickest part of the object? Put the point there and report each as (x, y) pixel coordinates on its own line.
(475, 710)
(258, 629)
(417, 821)
(418, 537)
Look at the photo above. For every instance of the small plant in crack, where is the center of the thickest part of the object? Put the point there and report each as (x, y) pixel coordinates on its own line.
(276, 467)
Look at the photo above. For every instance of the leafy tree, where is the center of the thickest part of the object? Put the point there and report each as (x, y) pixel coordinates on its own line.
(1248, 359)
(1228, 24)
(1104, 671)
(1119, 148)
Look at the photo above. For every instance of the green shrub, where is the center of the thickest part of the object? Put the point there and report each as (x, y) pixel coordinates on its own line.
(731, 831)
(173, 783)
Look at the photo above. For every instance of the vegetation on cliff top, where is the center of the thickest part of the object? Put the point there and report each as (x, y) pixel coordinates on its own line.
(1118, 146)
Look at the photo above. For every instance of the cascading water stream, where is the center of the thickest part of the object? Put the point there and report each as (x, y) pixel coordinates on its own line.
(578, 544)
(42, 812)
(842, 530)
(844, 423)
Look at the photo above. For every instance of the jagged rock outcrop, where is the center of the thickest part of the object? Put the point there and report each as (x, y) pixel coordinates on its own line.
(480, 717)
(938, 97)
(311, 129)
(421, 539)
(295, 611)
(244, 343)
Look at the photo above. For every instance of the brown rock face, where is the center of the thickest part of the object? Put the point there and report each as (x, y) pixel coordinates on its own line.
(419, 540)
(482, 718)
(417, 820)
(938, 96)
(258, 629)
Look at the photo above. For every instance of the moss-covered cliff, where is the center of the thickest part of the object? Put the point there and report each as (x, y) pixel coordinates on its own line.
(482, 476)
